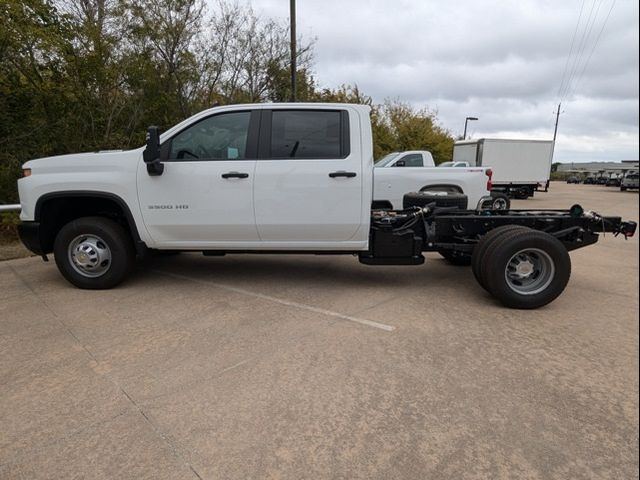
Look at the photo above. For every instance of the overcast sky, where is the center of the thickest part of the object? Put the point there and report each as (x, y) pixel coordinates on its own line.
(501, 61)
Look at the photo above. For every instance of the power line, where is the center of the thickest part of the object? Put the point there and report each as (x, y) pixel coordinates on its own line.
(577, 53)
(568, 88)
(595, 44)
(581, 44)
(573, 39)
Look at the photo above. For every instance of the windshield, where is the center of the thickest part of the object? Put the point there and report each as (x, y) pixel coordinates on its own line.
(446, 164)
(384, 161)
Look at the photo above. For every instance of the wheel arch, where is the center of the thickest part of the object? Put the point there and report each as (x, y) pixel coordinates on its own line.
(55, 209)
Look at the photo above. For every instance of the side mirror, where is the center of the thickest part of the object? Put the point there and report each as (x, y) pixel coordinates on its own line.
(400, 163)
(151, 154)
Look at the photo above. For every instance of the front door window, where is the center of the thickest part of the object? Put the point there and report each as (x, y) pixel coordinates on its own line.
(219, 137)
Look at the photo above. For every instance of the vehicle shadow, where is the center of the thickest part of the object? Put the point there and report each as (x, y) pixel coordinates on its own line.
(337, 271)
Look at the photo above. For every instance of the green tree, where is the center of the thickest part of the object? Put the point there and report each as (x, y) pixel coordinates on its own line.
(34, 90)
(78, 75)
(412, 129)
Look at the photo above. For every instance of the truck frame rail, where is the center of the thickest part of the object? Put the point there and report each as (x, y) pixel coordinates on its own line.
(575, 227)
(520, 256)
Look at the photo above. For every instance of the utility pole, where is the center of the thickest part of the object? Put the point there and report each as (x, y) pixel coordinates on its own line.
(292, 19)
(555, 131)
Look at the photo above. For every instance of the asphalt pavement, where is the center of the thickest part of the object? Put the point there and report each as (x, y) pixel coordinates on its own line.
(318, 367)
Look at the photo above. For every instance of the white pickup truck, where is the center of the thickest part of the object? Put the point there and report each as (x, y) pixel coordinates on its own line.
(409, 158)
(414, 171)
(279, 178)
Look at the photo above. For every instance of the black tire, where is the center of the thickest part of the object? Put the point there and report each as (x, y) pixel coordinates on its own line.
(115, 240)
(499, 201)
(544, 256)
(485, 242)
(459, 259)
(441, 199)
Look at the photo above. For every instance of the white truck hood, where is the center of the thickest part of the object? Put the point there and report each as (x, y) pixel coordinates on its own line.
(77, 162)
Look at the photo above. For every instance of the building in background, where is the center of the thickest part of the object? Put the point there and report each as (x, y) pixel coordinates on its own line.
(598, 169)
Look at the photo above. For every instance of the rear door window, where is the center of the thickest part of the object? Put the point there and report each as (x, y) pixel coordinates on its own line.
(309, 134)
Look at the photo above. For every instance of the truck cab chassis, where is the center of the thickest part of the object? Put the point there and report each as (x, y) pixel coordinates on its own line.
(283, 178)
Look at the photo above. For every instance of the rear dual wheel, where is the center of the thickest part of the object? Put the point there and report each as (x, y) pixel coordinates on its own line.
(521, 267)
(485, 243)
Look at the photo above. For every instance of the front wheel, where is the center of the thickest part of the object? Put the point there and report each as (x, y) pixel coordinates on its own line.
(94, 253)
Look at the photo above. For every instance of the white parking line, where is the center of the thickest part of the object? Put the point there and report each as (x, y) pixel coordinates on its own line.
(322, 311)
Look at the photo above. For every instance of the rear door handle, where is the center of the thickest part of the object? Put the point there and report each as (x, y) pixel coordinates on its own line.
(342, 173)
(235, 175)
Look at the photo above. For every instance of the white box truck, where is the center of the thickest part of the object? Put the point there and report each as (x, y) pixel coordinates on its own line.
(519, 167)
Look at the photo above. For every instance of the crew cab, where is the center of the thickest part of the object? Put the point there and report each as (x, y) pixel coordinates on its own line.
(279, 178)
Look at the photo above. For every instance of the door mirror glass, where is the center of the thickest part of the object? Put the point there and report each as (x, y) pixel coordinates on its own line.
(151, 154)
(152, 150)
(400, 163)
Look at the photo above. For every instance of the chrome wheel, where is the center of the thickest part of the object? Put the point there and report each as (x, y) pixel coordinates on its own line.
(499, 204)
(529, 271)
(89, 255)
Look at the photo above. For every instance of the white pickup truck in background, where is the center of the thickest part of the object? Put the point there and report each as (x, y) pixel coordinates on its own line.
(454, 164)
(414, 171)
(409, 158)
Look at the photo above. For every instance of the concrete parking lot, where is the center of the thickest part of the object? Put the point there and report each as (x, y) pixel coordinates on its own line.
(246, 367)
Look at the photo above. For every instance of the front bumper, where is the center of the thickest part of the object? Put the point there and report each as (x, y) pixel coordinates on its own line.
(29, 233)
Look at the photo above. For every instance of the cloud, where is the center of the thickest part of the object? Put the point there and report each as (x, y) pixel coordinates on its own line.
(502, 61)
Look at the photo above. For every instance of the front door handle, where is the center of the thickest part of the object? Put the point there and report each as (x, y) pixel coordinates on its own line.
(235, 175)
(342, 173)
